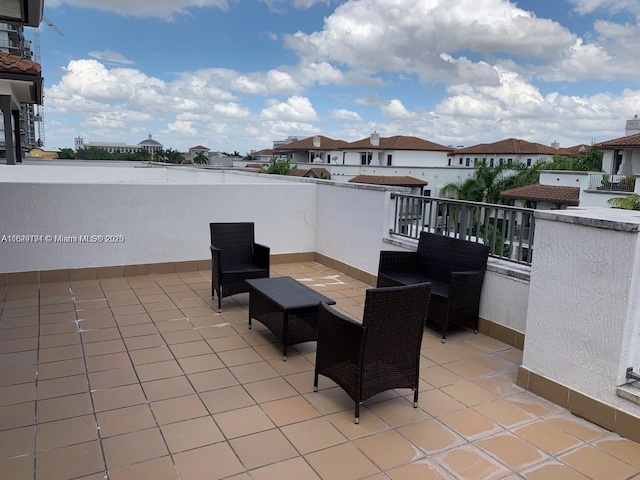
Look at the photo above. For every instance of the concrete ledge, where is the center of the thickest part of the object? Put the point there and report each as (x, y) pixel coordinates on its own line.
(608, 417)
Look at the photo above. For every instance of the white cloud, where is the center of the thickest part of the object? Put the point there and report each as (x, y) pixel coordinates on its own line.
(146, 8)
(281, 5)
(348, 115)
(110, 56)
(296, 108)
(394, 109)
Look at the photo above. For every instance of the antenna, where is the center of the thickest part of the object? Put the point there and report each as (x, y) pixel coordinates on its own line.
(39, 118)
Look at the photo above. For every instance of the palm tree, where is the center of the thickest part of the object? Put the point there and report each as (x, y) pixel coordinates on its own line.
(631, 202)
(484, 185)
(200, 158)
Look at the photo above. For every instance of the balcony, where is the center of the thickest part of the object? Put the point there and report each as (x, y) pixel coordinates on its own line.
(124, 336)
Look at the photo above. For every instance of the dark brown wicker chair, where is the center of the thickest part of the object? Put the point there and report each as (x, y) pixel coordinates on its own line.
(382, 352)
(455, 269)
(235, 257)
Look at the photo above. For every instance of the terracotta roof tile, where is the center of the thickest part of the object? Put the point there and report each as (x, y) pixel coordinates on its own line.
(544, 193)
(398, 142)
(512, 146)
(310, 172)
(630, 141)
(15, 64)
(266, 151)
(391, 181)
(326, 143)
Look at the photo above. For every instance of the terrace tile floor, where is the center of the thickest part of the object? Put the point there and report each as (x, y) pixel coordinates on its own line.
(141, 378)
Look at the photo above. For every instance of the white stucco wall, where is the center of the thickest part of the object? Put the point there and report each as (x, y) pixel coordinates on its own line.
(505, 294)
(583, 310)
(562, 178)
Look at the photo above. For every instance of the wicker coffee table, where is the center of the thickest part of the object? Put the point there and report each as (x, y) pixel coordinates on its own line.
(286, 307)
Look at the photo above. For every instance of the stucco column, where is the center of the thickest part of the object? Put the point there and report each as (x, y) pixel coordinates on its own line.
(5, 105)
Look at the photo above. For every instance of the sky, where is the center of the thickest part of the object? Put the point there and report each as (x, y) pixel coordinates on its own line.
(235, 75)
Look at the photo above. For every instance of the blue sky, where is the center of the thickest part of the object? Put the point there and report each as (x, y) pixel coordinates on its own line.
(234, 75)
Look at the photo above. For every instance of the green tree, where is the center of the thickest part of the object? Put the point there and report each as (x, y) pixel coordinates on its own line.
(248, 156)
(173, 156)
(278, 166)
(630, 202)
(201, 158)
(66, 153)
(484, 185)
(93, 153)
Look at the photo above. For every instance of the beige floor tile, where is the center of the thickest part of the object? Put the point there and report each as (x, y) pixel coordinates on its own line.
(597, 464)
(208, 463)
(112, 378)
(577, 427)
(178, 409)
(151, 355)
(398, 411)
(511, 450)
(424, 469)
(18, 468)
(133, 447)
(104, 347)
(469, 463)
(118, 397)
(295, 468)
(200, 363)
(553, 470)
(388, 449)
(92, 336)
(57, 354)
(342, 462)
(181, 336)
(436, 403)
(175, 325)
(66, 432)
(156, 469)
(163, 312)
(546, 437)
(241, 356)
(191, 349)
(345, 422)
(63, 407)
(312, 435)
(441, 354)
(140, 330)
(330, 400)
(294, 364)
(60, 387)
(289, 410)
(133, 319)
(303, 382)
(431, 436)
(157, 371)
(145, 341)
(167, 388)
(470, 424)
(226, 399)
(269, 390)
(108, 362)
(468, 368)
(48, 341)
(533, 404)
(212, 380)
(23, 374)
(253, 372)
(468, 393)
(243, 421)
(439, 376)
(125, 420)
(24, 392)
(263, 448)
(621, 448)
(17, 441)
(504, 413)
(222, 344)
(190, 434)
(69, 462)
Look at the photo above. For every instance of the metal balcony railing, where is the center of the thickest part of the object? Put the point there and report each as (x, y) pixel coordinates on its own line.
(509, 231)
(612, 183)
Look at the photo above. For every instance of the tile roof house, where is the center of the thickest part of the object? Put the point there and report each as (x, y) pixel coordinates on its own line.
(415, 185)
(318, 149)
(510, 150)
(542, 195)
(622, 155)
(321, 173)
(20, 83)
(22, 12)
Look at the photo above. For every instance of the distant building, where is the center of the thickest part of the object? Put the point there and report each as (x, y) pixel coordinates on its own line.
(150, 145)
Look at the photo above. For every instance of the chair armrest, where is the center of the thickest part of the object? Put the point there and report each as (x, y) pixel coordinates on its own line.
(393, 261)
(465, 288)
(340, 338)
(215, 254)
(261, 255)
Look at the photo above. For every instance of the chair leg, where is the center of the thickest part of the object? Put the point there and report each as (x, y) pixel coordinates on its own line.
(219, 300)
(415, 397)
(357, 413)
(315, 381)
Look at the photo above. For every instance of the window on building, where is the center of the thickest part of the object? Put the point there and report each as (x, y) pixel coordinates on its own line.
(475, 161)
(528, 162)
(426, 193)
(491, 162)
(460, 160)
(449, 162)
(365, 158)
(501, 161)
(389, 159)
(509, 161)
(468, 162)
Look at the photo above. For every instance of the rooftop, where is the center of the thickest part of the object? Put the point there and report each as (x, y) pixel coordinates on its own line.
(544, 193)
(630, 141)
(141, 378)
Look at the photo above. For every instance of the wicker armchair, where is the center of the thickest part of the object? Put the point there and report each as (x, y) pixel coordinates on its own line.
(382, 352)
(235, 257)
(455, 269)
